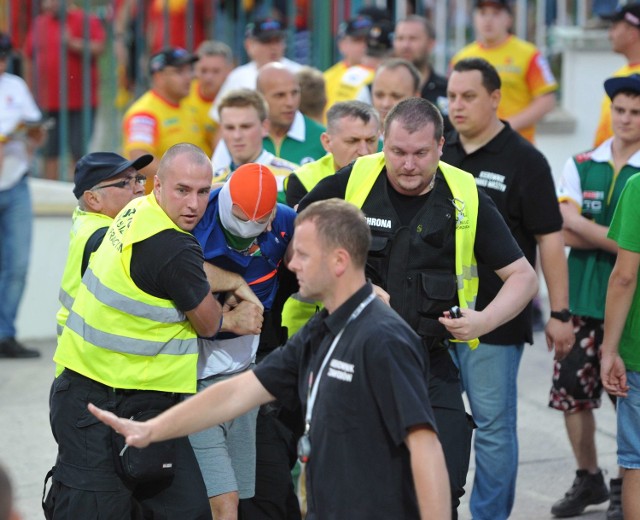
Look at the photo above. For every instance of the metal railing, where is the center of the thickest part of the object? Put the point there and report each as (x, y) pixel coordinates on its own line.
(225, 21)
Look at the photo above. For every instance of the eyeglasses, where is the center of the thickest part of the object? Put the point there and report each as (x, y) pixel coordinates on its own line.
(138, 179)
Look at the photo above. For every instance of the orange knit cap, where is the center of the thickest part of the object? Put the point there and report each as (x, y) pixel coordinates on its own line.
(254, 190)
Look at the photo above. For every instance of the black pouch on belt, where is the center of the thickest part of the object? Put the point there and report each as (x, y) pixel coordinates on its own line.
(156, 461)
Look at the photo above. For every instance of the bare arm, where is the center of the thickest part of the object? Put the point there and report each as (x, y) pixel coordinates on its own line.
(429, 472)
(536, 110)
(205, 318)
(622, 286)
(218, 403)
(226, 281)
(582, 233)
(520, 286)
(553, 261)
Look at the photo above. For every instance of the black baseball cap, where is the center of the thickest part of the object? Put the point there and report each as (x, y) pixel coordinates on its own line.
(629, 13)
(265, 29)
(503, 4)
(357, 27)
(5, 45)
(614, 85)
(380, 38)
(99, 166)
(171, 57)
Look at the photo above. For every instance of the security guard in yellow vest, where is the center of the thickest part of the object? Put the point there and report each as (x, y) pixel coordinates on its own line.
(105, 182)
(429, 224)
(129, 342)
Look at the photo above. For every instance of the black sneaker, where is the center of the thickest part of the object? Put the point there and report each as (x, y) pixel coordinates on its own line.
(615, 500)
(10, 348)
(586, 490)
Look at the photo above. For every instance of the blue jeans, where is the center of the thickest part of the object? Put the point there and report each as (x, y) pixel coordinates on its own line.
(15, 244)
(489, 377)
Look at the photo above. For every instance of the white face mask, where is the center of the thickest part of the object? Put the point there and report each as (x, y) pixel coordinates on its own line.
(234, 225)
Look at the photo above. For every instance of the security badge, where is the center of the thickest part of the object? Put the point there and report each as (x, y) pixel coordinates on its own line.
(459, 205)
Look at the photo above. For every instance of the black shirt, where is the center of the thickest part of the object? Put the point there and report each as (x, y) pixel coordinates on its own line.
(295, 190)
(169, 265)
(435, 90)
(494, 245)
(373, 389)
(518, 179)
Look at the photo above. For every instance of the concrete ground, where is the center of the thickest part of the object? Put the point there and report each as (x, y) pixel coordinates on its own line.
(546, 463)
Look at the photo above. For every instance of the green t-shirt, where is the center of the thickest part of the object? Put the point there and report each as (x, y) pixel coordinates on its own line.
(624, 230)
(299, 152)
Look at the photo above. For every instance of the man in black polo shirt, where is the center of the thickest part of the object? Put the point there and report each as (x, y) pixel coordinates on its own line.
(518, 179)
(358, 369)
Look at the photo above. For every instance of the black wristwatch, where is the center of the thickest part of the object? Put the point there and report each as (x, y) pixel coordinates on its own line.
(564, 315)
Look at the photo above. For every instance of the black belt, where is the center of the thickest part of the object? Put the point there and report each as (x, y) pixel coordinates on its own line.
(117, 391)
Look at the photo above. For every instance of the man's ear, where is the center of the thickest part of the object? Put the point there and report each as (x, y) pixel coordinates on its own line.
(92, 201)
(340, 261)
(325, 140)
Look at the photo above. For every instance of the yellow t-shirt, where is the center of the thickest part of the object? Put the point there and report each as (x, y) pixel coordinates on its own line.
(154, 125)
(604, 130)
(345, 83)
(332, 77)
(202, 106)
(523, 70)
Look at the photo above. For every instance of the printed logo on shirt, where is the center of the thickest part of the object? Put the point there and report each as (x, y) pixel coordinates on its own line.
(340, 370)
(491, 180)
(306, 160)
(544, 67)
(379, 222)
(592, 202)
(141, 129)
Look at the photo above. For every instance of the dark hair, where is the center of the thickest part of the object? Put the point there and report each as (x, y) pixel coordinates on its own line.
(398, 63)
(426, 24)
(490, 78)
(6, 495)
(632, 93)
(340, 224)
(414, 114)
(354, 109)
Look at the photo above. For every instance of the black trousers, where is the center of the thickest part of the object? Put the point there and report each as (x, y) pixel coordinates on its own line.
(274, 498)
(85, 481)
(455, 426)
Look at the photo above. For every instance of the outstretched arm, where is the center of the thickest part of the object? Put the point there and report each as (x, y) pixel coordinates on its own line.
(218, 403)
(429, 472)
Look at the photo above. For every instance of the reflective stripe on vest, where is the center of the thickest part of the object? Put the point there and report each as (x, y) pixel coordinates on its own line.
(463, 187)
(85, 224)
(116, 333)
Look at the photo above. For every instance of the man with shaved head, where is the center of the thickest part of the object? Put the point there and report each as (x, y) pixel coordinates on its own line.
(130, 342)
(291, 135)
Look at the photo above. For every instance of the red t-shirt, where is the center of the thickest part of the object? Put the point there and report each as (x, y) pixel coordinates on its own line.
(43, 47)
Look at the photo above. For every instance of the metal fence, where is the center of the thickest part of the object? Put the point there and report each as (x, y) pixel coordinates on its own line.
(312, 25)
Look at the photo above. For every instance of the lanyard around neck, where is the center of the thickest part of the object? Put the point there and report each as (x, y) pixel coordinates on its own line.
(314, 383)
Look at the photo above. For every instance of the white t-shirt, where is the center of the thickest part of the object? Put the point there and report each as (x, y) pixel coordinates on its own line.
(244, 76)
(16, 108)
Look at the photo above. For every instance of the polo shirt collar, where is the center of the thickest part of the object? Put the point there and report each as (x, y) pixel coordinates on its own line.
(297, 132)
(337, 319)
(604, 154)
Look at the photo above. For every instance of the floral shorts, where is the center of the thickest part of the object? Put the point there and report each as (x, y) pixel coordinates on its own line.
(576, 379)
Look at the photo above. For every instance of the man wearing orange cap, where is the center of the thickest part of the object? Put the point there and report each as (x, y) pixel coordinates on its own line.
(243, 231)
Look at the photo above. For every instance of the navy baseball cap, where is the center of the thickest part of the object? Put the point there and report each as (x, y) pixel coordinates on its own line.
(5, 45)
(502, 4)
(357, 27)
(171, 57)
(380, 38)
(614, 85)
(99, 166)
(265, 29)
(629, 13)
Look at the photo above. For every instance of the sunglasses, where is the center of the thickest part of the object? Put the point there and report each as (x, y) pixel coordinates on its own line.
(138, 179)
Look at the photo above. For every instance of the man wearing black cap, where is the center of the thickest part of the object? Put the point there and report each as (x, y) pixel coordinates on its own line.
(264, 41)
(161, 117)
(352, 45)
(589, 190)
(105, 183)
(624, 35)
(356, 80)
(19, 133)
(529, 85)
